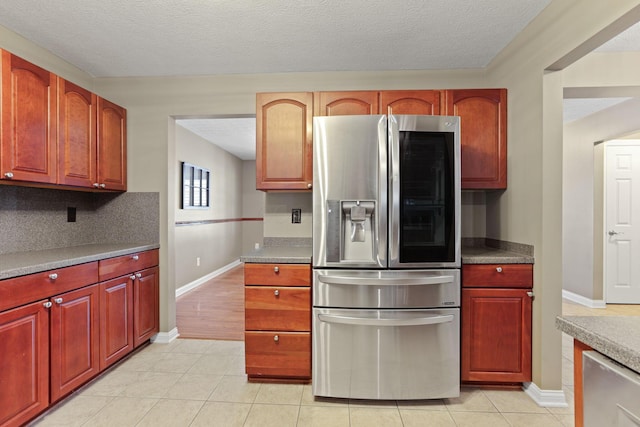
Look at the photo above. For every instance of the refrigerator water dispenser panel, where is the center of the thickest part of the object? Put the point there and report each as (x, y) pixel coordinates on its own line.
(351, 235)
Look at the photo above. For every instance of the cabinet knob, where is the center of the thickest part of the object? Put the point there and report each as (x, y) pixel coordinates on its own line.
(103, 185)
(138, 275)
(135, 257)
(276, 338)
(132, 277)
(8, 175)
(53, 276)
(499, 269)
(47, 304)
(309, 186)
(95, 184)
(530, 294)
(276, 292)
(58, 300)
(276, 269)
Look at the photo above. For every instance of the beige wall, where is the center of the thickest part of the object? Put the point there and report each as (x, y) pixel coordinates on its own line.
(528, 212)
(215, 244)
(252, 207)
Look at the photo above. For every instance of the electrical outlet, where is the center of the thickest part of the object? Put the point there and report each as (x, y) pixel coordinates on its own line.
(198, 261)
(296, 216)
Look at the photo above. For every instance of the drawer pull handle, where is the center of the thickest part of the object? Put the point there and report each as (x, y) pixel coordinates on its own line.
(276, 292)
(58, 300)
(138, 275)
(47, 304)
(8, 175)
(530, 294)
(499, 269)
(135, 257)
(276, 338)
(276, 269)
(53, 276)
(132, 277)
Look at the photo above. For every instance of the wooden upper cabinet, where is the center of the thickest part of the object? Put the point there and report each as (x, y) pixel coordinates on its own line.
(483, 124)
(284, 151)
(423, 102)
(76, 135)
(112, 146)
(346, 103)
(28, 141)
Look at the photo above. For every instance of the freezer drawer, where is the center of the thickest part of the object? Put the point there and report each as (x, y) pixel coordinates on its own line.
(611, 392)
(386, 289)
(386, 354)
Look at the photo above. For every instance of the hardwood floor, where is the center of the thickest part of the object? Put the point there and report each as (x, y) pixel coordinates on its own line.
(214, 310)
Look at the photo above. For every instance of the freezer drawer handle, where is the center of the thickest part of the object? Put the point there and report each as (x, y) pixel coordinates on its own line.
(339, 280)
(347, 320)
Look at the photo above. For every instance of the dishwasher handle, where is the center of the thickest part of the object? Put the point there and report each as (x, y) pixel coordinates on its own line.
(363, 321)
(342, 280)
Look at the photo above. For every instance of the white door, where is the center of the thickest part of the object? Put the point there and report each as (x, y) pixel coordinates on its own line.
(622, 222)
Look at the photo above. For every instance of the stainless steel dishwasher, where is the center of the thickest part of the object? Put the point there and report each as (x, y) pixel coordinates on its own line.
(611, 392)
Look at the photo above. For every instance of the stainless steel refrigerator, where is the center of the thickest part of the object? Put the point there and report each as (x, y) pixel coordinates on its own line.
(386, 257)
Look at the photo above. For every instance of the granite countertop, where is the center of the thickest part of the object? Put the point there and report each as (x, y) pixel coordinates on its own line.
(279, 255)
(22, 263)
(488, 255)
(617, 337)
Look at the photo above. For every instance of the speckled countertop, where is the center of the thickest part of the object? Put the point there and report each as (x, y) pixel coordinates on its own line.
(279, 255)
(22, 263)
(617, 337)
(487, 255)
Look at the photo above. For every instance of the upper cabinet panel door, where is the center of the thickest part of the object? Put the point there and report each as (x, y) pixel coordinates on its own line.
(28, 144)
(76, 135)
(423, 102)
(284, 141)
(346, 103)
(483, 125)
(112, 146)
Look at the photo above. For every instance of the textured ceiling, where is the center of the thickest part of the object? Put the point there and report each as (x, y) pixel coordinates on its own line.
(117, 38)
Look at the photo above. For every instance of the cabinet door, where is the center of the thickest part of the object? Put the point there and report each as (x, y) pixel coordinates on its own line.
(76, 135)
(346, 103)
(112, 146)
(284, 152)
(74, 340)
(423, 102)
(24, 371)
(483, 135)
(116, 320)
(28, 144)
(496, 335)
(146, 312)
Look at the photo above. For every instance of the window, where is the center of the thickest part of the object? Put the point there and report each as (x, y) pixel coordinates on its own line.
(195, 186)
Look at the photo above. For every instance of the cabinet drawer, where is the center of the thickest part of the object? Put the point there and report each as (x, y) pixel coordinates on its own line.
(277, 274)
(278, 354)
(119, 266)
(497, 275)
(25, 289)
(272, 308)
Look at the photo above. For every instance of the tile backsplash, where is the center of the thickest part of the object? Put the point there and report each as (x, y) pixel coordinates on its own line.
(35, 219)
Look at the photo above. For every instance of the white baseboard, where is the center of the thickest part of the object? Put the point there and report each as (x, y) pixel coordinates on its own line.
(165, 337)
(579, 299)
(545, 398)
(190, 286)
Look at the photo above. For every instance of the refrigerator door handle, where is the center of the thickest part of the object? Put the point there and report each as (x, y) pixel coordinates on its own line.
(361, 321)
(340, 280)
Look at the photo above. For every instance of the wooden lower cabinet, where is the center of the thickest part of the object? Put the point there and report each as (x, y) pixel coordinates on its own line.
(116, 320)
(146, 312)
(496, 323)
(278, 322)
(24, 370)
(75, 323)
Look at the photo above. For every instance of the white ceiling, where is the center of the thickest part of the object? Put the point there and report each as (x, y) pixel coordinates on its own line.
(120, 38)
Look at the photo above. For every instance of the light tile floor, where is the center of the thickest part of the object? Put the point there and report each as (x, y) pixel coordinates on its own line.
(202, 383)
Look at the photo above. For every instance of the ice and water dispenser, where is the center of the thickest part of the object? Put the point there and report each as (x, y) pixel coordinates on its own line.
(351, 231)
